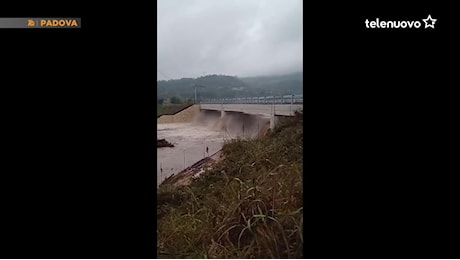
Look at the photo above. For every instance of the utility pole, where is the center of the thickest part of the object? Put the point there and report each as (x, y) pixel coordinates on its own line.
(184, 159)
(195, 94)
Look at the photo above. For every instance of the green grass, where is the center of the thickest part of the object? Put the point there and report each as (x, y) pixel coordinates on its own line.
(248, 206)
(170, 109)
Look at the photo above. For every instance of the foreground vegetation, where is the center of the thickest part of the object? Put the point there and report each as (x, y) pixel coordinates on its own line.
(248, 206)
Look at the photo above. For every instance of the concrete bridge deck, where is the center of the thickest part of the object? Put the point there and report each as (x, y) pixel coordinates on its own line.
(256, 109)
(271, 106)
(267, 106)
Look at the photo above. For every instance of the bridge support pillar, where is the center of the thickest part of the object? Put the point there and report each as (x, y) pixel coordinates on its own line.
(222, 111)
(272, 117)
(272, 122)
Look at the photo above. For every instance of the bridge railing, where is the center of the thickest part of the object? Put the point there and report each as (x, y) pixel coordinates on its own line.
(286, 99)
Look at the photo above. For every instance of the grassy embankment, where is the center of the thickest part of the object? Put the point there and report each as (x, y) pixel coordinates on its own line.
(170, 109)
(248, 206)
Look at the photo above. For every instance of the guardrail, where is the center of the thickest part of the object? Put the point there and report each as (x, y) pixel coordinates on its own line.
(287, 99)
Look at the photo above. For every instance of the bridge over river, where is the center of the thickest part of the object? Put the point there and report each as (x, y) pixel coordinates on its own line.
(195, 139)
(272, 106)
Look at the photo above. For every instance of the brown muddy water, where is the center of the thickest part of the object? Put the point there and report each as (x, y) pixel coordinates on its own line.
(207, 130)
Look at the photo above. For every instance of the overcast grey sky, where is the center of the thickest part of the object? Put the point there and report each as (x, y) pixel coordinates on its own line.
(231, 37)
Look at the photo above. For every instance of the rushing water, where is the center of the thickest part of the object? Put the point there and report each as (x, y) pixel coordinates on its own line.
(190, 142)
(191, 139)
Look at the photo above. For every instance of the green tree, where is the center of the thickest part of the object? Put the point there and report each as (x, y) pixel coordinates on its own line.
(175, 100)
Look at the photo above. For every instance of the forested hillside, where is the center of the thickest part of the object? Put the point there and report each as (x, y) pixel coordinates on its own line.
(278, 85)
(222, 86)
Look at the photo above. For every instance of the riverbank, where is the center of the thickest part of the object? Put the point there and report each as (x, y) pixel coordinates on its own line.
(186, 176)
(190, 142)
(170, 109)
(247, 203)
(163, 143)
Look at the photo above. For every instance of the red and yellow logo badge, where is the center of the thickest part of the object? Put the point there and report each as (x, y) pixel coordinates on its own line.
(30, 23)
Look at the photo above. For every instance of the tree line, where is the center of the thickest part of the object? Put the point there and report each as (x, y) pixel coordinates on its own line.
(222, 86)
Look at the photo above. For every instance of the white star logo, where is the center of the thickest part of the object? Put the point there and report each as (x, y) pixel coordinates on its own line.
(429, 22)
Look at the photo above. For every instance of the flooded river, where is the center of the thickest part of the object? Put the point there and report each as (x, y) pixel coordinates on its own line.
(190, 142)
(206, 131)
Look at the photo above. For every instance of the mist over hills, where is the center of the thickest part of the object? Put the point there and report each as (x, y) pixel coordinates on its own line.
(223, 86)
